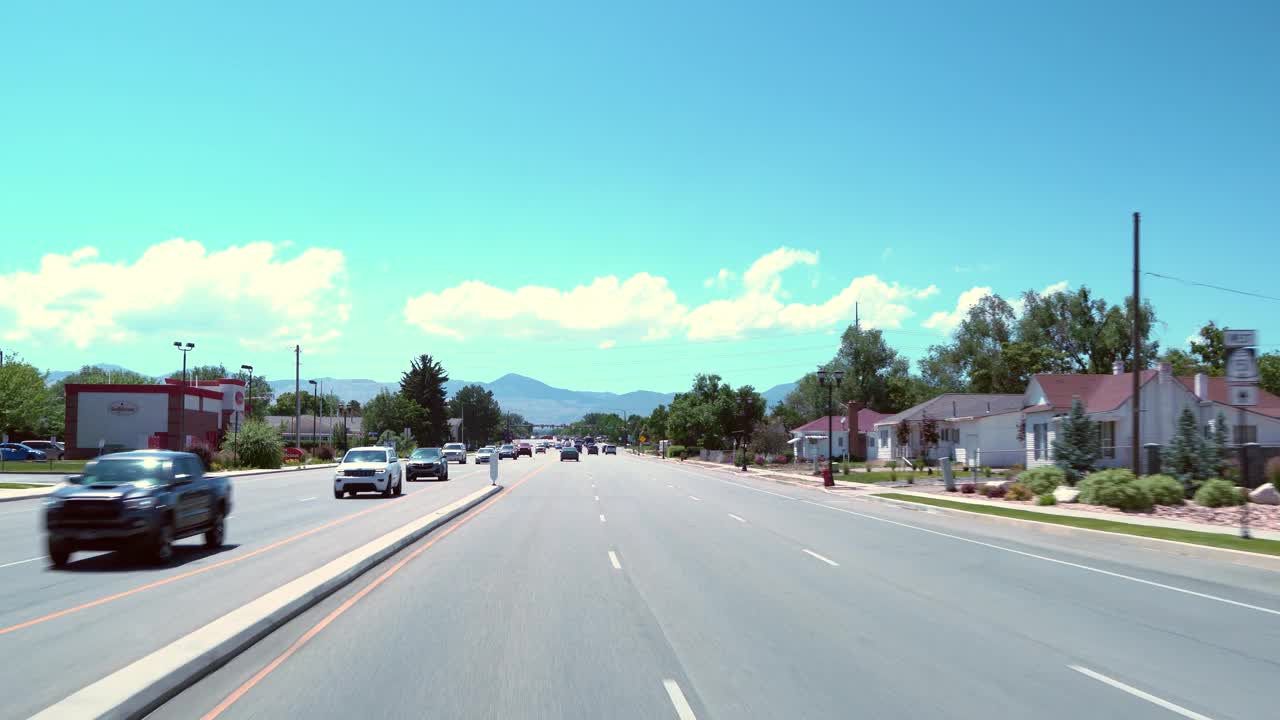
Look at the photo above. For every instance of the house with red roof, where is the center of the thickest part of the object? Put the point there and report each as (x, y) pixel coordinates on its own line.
(973, 428)
(1107, 400)
(810, 439)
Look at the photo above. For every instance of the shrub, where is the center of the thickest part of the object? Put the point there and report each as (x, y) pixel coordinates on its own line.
(1219, 493)
(1015, 468)
(1115, 488)
(260, 445)
(1273, 471)
(996, 492)
(1047, 499)
(1043, 480)
(324, 453)
(204, 453)
(1164, 490)
(986, 471)
(967, 488)
(1018, 491)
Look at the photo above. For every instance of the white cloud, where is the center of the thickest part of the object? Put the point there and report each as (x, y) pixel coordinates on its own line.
(945, 322)
(177, 286)
(646, 305)
(606, 344)
(720, 279)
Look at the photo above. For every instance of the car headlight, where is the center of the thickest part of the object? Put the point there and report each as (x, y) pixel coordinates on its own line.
(141, 503)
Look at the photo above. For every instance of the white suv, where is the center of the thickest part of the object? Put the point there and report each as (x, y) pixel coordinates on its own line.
(455, 452)
(369, 469)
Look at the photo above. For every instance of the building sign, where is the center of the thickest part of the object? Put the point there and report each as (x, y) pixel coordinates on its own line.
(239, 398)
(123, 407)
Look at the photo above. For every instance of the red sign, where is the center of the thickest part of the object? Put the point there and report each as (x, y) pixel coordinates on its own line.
(239, 398)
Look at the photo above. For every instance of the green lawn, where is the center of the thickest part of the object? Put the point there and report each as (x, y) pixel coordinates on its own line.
(19, 486)
(884, 476)
(57, 466)
(1231, 542)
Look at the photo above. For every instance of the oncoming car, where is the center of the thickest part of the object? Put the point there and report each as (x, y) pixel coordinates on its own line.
(569, 452)
(484, 454)
(368, 469)
(427, 462)
(507, 451)
(455, 452)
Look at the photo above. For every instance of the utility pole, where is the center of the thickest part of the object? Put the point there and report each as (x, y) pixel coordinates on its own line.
(297, 397)
(1137, 352)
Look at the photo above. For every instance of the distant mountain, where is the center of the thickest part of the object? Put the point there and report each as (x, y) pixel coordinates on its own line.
(778, 393)
(359, 390)
(56, 375)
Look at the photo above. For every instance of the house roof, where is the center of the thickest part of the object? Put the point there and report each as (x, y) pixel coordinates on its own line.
(1268, 404)
(950, 405)
(820, 425)
(1099, 393)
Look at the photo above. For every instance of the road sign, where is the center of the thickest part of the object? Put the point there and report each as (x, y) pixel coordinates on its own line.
(1244, 395)
(1239, 338)
(1242, 366)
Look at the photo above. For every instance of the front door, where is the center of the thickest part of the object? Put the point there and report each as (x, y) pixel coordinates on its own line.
(971, 449)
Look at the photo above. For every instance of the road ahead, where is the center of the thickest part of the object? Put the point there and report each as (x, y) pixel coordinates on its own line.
(624, 587)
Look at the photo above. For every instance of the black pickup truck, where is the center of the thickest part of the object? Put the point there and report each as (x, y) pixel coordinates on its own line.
(140, 500)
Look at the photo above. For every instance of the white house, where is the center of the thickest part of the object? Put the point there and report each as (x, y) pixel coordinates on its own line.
(972, 426)
(1107, 400)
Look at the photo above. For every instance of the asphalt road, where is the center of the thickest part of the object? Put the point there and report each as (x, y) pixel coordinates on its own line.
(624, 587)
(63, 629)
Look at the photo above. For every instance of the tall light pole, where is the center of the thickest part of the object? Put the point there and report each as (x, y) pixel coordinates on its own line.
(315, 398)
(830, 379)
(184, 347)
(248, 390)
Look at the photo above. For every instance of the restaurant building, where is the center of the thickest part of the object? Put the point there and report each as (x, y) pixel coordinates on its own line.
(111, 418)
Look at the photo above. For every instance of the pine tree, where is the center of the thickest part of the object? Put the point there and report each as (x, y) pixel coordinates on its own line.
(424, 385)
(1076, 448)
(1213, 454)
(1187, 456)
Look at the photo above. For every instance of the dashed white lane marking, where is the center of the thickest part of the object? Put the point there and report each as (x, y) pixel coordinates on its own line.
(20, 562)
(735, 517)
(597, 498)
(613, 558)
(828, 561)
(683, 711)
(601, 518)
(694, 497)
(1172, 707)
(307, 499)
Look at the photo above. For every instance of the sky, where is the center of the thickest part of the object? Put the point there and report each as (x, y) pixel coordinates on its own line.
(616, 198)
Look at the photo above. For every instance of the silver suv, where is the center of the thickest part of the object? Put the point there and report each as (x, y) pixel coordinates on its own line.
(455, 452)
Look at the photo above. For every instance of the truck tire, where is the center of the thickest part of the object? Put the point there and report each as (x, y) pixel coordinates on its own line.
(59, 554)
(161, 549)
(216, 535)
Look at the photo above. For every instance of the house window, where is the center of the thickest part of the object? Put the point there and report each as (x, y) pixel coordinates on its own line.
(1241, 434)
(1107, 438)
(884, 437)
(1041, 432)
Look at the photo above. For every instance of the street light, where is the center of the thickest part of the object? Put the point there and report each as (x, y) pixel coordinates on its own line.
(184, 347)
(235, 440)
(830, 379)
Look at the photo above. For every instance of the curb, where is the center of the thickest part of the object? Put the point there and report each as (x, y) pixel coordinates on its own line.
(1238, 557)
(28, 496)
(142, 686)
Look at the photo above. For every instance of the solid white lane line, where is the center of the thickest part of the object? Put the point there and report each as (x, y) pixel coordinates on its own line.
(20, 562)
(692, 497)
(601, 518)
(597, 498)
(828, 561)
(1068, 563)
(670, 485)
(683, 711)
(613, 558)
(735, 517)
(1172, 707)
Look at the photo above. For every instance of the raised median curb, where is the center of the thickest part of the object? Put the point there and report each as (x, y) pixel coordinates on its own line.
(144, 685)
(1209, 552)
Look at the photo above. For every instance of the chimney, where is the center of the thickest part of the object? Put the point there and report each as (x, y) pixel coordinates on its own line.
(1202, 387)
(1166, 372)
(1117, 367)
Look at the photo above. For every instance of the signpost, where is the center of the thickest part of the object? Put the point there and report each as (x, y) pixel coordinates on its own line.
(1242, 392)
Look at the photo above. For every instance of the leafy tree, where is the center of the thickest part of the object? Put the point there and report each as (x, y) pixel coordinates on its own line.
(1077, 447)
(25, 401)
(1083, 333)
(257, 396)
(1269, 370)
(787, 416)
(479, 411)
(807, 400)
(197, 373)
(902, 434)
(929, 435)
(391, 411)
(907, 391)
(92, 374)
(513, 425)
(338, 437)
(771, 437)
(353, 408)
(1211, 349)
(655, 426)
(424, 384)
(323, 405)
(748, 411)
(868, 363)
(1182, 362)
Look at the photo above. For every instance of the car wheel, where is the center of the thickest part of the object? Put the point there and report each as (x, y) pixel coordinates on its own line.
(352, 493)
(162, 544)
(386, 492)
(337, 494)
(399, 487)
(59, 553)
(217, 532)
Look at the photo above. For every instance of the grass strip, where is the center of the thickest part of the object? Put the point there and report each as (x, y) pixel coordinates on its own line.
(1230, 542)
(20, 486)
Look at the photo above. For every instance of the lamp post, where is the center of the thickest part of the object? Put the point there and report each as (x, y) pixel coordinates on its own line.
(248, 390)
(830, 379)
(184, 348)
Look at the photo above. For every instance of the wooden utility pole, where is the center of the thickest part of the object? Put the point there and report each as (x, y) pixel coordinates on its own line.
(297, 396)
(1136, 366)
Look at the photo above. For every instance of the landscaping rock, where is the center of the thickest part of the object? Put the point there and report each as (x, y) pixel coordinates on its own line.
(1265, 495)
(1004, 484)
(1066, 494)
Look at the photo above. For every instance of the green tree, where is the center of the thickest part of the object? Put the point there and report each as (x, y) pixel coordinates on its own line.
(807, 401)
(257, 445)
(196, 373)
(1211, 349)
(748, 409)
(787, 416)
(1083, 333)
(868, 364)
(1077, 447)
(1182, 362)
(424, 384)
(391, 412)
(25, 401)
(92, 374)
(655, 426)
(513, 425)
(1213, 456)
(1269, 370)
(1189, 456)
(479, 411)
(770, 437)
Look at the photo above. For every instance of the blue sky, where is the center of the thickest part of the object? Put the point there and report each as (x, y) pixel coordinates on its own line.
(380, 180)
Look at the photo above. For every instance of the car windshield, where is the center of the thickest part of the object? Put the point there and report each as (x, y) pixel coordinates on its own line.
(423, 453)
(453, 446)
(139, 471)
(368, 456)
(485, 451)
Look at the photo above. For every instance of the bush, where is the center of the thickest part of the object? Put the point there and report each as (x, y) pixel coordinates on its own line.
(1164, 490)
(986, 471)
(1115, 488)
(260, 445)
(674, 451)
(984, 490)
(1219, 493)
(1273, 471)
(967, 488)
(996, 492)
(1015, 468)
(324, 453)
(204, 453)
(1043, 480)
(1018, 491)
(1047, 499)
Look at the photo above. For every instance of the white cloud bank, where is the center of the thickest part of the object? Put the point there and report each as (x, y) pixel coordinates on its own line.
(646, 305)
(179, 287)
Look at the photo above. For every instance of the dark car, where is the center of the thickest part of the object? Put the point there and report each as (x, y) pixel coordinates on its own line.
(593, 450)
(52, 449)
(540, 449)
(569, 452)
(142, 500)
(19, 451)
(507, 451)
(524, 448)
(427, 462)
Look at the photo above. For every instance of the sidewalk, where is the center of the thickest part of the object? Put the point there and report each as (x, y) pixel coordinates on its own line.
(1062, 511)
(30, 493)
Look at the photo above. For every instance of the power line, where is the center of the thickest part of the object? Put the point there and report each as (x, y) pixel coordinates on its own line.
(1212, 286)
